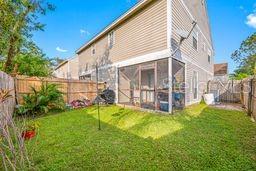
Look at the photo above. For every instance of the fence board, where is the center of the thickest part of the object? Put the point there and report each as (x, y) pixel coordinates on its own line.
(71, 89)
(249, 96)
(7, 83)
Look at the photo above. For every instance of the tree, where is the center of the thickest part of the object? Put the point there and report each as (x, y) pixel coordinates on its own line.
(19, 19)
(32, 65)
(56, 61)
(245, 56)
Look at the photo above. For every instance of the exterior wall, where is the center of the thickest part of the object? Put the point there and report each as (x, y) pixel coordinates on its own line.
(144, 32)
(73, 68)
(62, 71)
(199, 10)
(196, 60)
(69, 70)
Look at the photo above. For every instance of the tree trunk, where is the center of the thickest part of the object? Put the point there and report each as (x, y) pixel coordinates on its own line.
(11, 54)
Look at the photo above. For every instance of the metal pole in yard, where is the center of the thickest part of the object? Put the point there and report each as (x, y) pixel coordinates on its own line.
(98, 100)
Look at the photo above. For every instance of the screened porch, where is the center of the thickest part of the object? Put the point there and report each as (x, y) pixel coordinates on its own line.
(146, 85)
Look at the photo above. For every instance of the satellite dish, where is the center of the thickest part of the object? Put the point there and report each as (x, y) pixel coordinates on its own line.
(182, 33)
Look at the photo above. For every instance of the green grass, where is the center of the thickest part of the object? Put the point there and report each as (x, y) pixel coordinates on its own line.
(199, 138)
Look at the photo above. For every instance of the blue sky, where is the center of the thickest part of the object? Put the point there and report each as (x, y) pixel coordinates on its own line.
(77, 21)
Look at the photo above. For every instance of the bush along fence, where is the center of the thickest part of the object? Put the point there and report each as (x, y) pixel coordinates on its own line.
(71, 89)
(19, 86)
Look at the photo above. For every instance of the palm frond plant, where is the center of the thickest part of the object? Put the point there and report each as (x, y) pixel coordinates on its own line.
(4, 95)
(41, 101)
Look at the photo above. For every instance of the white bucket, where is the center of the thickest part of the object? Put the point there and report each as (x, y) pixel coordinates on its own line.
(209, 99)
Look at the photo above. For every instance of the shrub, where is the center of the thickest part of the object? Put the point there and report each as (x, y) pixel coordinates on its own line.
(40, 102)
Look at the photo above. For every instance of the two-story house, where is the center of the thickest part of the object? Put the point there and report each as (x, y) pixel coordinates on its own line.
(158, 55)
(67, 69)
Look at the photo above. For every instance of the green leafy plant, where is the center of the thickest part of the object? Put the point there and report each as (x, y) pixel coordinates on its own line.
(32, 126)
(40, 102)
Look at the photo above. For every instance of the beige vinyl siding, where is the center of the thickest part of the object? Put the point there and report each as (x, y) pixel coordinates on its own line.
(203, 78)
(198, 58)
(200, 13)
(182, 21)
(69, 70)
(73, 68)
(145, 32)
(62, 71)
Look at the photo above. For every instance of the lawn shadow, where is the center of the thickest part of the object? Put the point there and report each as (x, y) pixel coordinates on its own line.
(198, 138)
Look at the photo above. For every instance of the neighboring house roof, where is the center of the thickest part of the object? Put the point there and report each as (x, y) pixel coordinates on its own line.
(221, 69)
(118, 21)
(64, 62)
(61, 64)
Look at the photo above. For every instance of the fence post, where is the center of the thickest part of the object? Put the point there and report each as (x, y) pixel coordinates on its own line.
(253, 98)
(242, 93)
(250, 98)
(16, 90)
(68, 91)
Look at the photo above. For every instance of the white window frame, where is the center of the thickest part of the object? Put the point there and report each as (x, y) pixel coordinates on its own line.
(93, 47)
(112, 33)
(196, 36)
(209, 55)
(197, 85)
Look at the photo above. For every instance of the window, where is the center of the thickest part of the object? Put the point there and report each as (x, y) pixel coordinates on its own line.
(195, 85)
(85, 77)
(209, 59)
(195, 40)
(86, 67)
(111, 39)
(93, 49)
(209, 55)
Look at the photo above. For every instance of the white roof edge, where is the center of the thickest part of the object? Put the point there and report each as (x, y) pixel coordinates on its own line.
(139, 5)
(65, 61)
(62, 63)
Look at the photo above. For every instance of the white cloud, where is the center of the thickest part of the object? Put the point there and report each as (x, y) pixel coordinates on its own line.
(61, 50)
(251, 20)
(241, 7)
(84, 32)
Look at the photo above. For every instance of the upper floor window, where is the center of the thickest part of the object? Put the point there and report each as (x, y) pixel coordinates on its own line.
(195, 40)
(93, 50)
(86, 67)
(111, 39)
(209, 55)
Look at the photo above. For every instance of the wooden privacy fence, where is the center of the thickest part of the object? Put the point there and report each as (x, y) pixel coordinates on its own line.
(226, 91)
(248, 96)
(72, 89)
(231, 91)
(7, 84)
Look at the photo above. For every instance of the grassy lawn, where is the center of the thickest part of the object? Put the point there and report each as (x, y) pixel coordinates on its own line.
(199, 138)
